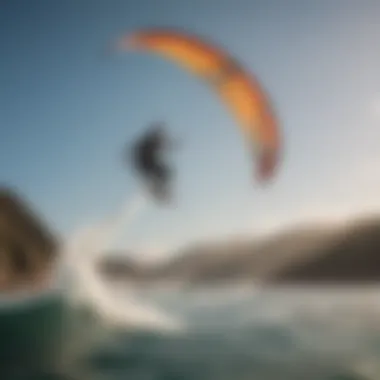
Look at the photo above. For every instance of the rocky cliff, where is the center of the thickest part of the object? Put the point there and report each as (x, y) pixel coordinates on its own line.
(27, 246)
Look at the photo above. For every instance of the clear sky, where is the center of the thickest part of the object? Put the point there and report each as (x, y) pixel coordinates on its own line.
(67, 109)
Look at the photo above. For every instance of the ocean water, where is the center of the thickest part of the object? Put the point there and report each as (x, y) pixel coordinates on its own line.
(240, 332)
(230, 333)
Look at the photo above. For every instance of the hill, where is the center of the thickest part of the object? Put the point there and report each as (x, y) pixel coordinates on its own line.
(353, 256)
(323, 254)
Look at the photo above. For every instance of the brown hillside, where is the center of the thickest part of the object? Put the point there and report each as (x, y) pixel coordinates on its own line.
(27, 247)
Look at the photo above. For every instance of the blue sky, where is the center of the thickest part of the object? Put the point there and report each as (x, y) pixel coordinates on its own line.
(67, 110)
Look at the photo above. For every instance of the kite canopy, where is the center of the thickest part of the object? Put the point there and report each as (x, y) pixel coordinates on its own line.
(237, 88)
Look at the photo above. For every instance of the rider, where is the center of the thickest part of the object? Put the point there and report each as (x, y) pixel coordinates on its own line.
(148, 160)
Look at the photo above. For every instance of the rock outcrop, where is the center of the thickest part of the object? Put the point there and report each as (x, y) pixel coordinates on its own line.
(27, 246)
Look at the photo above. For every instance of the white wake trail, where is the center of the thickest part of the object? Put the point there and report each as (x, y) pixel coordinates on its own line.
(82, 252)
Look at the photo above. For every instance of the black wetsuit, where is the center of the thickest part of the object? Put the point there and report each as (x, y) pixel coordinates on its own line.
(148, 160)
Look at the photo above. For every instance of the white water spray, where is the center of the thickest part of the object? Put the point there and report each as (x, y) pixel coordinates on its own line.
(81, 253)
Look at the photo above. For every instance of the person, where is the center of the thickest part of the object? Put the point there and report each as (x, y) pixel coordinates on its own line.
(148, 152)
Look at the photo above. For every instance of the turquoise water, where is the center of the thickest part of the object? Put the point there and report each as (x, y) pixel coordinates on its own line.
(230, 334)
(30, 336)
